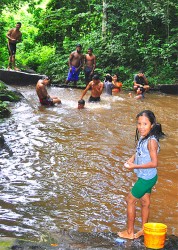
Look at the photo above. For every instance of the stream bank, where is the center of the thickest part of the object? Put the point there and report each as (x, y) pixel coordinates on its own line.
(84, 241)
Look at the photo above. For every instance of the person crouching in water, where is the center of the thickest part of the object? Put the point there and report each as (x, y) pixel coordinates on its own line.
(44, 97)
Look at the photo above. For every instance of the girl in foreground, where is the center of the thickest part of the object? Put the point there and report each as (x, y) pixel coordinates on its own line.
(144, 162)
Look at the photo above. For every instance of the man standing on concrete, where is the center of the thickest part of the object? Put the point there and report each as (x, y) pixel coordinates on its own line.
(89, 65)
(14, 36)
(75, 63)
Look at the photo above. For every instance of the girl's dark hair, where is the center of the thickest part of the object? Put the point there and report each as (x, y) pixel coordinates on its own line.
(108, 78)
(156, 129)
(115, 74)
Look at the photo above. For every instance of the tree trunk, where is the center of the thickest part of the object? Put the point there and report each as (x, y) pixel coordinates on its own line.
(104, 19)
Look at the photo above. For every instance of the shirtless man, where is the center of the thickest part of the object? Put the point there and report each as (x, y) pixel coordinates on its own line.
(96, 87)
(89, 65)
(14, 36)
(75, 63)
(42, 93)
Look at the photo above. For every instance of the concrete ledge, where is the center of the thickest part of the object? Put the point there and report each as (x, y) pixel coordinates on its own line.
(18, 77)
(168, 89)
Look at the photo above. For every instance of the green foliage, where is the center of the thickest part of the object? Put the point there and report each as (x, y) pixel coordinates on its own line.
(56, 66)
(139, 34)
(7, 95)
(4, 111)
(36, 57)
(2, 86)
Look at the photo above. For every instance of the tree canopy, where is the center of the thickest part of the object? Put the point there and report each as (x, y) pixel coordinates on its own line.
(125, 36)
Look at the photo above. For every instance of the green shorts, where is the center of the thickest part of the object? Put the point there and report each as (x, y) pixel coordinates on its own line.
(141, 187)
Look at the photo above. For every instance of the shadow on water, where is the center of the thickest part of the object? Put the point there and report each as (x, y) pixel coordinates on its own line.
(65, 171)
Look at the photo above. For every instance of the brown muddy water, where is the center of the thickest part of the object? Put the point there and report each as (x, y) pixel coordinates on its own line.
(64, 167)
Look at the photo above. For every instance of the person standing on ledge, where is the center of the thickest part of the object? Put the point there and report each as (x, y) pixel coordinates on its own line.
(75, 63)
(89, 65)
(14, 36)
(42, 93)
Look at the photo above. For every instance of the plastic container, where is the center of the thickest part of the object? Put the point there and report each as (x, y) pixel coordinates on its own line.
(154, 235)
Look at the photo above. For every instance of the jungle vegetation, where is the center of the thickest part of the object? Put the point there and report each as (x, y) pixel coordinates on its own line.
(125, 36)
(6, 96)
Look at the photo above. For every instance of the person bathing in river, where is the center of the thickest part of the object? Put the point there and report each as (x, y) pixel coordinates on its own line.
(144, 163)
(117, 85)
(108, 85)
(81, 104)
(140, 93)
(44, 97)
(96, 87)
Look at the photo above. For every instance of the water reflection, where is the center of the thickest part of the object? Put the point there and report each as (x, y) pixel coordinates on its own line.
(66, 171)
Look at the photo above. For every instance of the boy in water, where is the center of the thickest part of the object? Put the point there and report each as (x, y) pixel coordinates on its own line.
(81, 104)
(140, 93)
(44, 97)
(96, 87)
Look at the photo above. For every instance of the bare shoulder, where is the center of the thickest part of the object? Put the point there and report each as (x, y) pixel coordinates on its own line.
(72, 53)
(39, 83)
(90, 84)
(152, 144)
(10, 31)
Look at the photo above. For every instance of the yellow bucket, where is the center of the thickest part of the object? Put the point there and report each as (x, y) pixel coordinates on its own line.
(154, 235)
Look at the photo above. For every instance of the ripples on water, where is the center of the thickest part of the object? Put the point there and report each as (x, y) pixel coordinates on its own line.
(66, 171)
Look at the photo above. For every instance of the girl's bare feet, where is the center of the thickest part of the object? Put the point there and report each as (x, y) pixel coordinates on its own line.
(126, 235)
(138, 234)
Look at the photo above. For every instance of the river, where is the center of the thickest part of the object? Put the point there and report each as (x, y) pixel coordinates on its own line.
(64, 169)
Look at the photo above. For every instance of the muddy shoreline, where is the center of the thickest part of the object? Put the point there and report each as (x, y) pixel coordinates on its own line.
(75, 240)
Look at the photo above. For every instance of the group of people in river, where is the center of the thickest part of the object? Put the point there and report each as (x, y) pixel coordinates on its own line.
(110, 85)
(144, 162)
(92, 80)
(77, 61)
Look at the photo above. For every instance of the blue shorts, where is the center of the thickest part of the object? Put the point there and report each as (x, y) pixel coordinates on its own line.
(73, 75)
